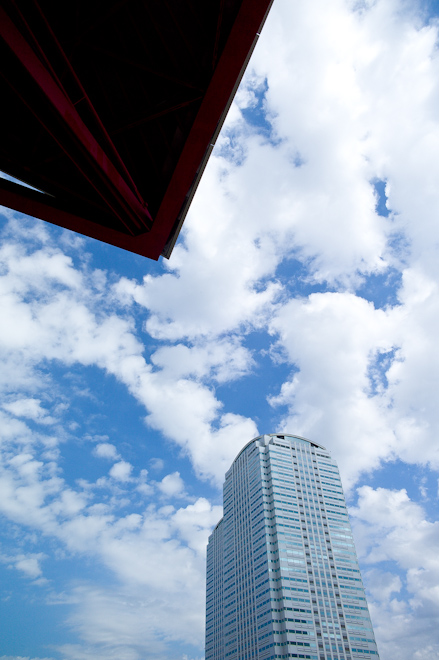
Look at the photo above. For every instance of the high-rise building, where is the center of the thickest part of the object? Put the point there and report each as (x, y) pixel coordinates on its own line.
(283, 579)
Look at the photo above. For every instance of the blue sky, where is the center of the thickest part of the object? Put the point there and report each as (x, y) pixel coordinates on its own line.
(302, 296)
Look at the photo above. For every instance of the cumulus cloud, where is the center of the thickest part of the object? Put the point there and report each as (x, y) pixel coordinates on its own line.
(403, 521)
(29, 565)
(106, 450)
(160, 604)
(382, 585)
(172, 540)
(223, 361)
(121, 471)
(171, 485)
(390, 528)
(30, 409)
(157, 464)
(70, 323)
(333, 339)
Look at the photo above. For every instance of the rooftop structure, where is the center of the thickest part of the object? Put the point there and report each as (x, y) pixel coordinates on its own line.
(111, 109)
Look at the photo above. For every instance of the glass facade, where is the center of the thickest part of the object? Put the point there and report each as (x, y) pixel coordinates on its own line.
(283, 579)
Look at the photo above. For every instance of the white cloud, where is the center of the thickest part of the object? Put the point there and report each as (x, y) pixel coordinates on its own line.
(382, 585)
(106, 450)
(121, 471)
(155, 602)
(333, 339)
(127, 625)
(400, 530)
(157, 464)
(30, 409)
(30, 566)
(347, 113)
(172, 485)
(193, 521)
(222, 361)
(155, 590)
(389, 527)
(71, 324)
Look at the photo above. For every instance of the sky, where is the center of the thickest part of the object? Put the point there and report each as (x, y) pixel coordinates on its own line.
(302, 296)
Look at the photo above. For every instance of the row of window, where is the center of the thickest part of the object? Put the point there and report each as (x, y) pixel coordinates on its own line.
(292, 631)
(306, 644)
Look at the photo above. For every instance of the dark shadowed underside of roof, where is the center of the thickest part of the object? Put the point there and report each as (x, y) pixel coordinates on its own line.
(111, 109)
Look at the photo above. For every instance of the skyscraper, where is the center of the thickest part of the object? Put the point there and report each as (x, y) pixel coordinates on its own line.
(283, 579)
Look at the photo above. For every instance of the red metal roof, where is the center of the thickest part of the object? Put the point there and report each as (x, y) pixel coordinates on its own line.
(111, 109)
